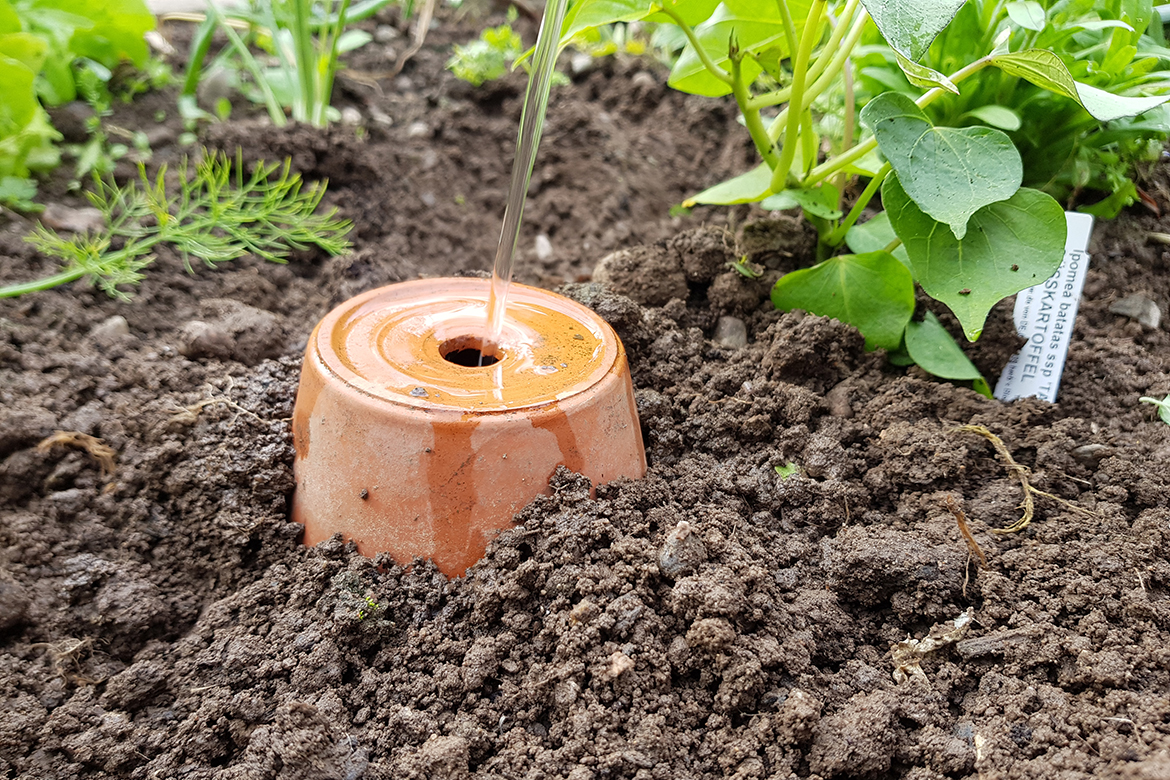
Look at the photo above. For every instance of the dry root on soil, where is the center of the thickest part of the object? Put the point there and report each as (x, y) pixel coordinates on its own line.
(1021, 473)
(94, 447)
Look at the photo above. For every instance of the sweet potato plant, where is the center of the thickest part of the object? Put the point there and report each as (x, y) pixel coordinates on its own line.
(957, 221)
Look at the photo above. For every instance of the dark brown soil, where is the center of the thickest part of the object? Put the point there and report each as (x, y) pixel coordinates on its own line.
(712, 620)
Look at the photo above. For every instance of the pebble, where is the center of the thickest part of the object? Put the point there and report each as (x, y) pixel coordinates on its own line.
(202, 339)
(682, 552)
(544, 248)
(384, 33)
(13, 605)
(110, 329)
(351, 116)
(417, 130)
(160, 136)
(428, 199)
(381, 117)
(731, 332)
(82, 220)
(1138, 307)
(644, 79)
(581, 63)
(1090, 454)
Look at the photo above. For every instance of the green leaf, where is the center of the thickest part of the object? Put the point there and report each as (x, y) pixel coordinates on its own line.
(873, 235)
(1045, 69)
(27, 49)
(1009, 246)
(9, 21)
(1111, 206)
(594, 13)
(873, 292)
(788, 470)
(754, 25)
(910, 25)
(1163, 409)
(819, 202)
(922, 76)
(1027, 14)
(996, 116)
(746, 188)
(949, 172)
(932, 348)
(19, 103)
(18, 193)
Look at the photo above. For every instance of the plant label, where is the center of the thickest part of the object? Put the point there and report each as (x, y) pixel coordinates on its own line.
(1044, 316)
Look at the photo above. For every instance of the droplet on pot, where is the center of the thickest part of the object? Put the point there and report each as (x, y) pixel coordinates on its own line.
(682, 552)
(419, 392)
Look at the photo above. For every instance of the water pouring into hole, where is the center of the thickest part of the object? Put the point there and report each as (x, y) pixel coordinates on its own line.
(527, 142)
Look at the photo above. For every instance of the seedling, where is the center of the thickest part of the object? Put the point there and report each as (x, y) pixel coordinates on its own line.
(1163, 406)
(47, 50)
(788, 470)
(371, 608)
(305, 38)
(956, 217)
(217, 215)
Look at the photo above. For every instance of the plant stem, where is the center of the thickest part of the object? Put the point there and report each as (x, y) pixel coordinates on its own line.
(827, 55)
(829, 167)
(837, 64)
(751, 116)
(812, 27)
(890, 247)
(850, 119)
(789, 27)
(689, 31)
(838, 235)
(306, 62)
(200, 45)
(275, 112)
(16, 290)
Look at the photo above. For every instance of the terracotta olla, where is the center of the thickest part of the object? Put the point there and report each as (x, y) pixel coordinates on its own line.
(407, 445)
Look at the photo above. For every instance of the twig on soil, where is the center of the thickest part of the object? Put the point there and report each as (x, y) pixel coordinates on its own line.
(94, 447)
(961, 519)
(1021, 473)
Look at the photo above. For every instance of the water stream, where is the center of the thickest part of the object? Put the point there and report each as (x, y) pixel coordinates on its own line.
(531, 125)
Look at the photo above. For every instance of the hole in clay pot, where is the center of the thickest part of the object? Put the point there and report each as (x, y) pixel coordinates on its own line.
(470, 352)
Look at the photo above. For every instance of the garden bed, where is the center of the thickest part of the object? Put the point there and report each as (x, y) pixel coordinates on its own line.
(164, 620)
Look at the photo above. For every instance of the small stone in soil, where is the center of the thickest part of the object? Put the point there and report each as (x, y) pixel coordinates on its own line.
(417, 130)
(13, 605)
(731, 332)
(384, 33)
(1138, 307)
(544, 249)
(1090, 454)
(81, 220)
(682, 552)
(202, 339)
(110, 330)
(351, 116)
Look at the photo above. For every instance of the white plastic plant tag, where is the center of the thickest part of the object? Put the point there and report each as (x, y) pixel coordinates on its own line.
(1044, 316)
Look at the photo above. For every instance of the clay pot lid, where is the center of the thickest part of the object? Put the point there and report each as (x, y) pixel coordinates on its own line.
(417, 344)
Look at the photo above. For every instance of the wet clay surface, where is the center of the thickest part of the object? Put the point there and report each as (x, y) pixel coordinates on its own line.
(713, 620)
